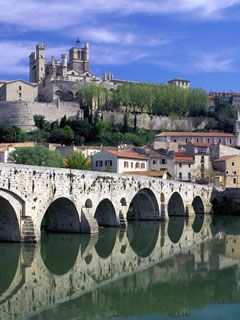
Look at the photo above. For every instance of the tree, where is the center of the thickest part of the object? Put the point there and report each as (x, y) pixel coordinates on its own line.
(36, 156)
(77, 160)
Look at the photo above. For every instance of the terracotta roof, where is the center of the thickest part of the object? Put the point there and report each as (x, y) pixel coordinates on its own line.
(195, 134)
(178, 156)
(152, 173)
(200, 144)
(129, 155)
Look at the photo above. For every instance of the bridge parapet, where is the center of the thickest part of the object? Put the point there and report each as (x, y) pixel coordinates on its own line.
(67, 200)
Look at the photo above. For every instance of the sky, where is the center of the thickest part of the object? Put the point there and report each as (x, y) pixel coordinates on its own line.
(141, 40)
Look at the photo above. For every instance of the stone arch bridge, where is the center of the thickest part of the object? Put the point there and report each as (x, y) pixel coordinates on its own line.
(74, 201)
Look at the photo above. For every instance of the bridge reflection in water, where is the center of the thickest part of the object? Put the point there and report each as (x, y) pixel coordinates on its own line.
(149, 269)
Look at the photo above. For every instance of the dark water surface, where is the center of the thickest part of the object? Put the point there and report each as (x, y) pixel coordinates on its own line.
(184, 269)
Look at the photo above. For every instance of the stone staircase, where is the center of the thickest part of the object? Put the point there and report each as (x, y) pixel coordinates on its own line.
(28, 234)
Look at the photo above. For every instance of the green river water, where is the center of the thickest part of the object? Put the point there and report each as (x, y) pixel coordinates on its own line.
(184, 269)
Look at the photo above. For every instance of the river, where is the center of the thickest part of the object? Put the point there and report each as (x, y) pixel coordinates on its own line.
(184, 269)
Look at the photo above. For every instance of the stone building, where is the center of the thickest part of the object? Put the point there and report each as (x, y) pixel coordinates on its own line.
(18, 90)
(182, 83)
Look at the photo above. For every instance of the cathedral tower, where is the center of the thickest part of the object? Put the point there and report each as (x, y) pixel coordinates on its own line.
(79, 58)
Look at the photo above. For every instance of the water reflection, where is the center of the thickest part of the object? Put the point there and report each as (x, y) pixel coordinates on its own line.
(10, 254)
(175, 228)
(106, 241)
(59, 252)
(143, 236)
(141, 272)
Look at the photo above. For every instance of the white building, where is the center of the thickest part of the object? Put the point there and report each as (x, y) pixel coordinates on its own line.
(182, 83)
(119, 161)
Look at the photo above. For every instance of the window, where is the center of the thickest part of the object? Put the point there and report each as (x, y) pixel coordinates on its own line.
(163, 161)
(20, 88)
(202, 158)
(197, 140)
(230, 141)
(180, 175)
(233, 164)
(234, 172)
(154, 162)
(142, 165)
(219, 140)
(234, 180)
(131, 164)
(20, 95)
(125, 164)
(189, 176)
(99, 163)
(108, 163)
(226, 172)
(180, 165)
(137, 165)
(189, 165)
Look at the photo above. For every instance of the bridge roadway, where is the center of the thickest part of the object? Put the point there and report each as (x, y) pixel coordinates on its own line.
(43, 277)
(74, 201)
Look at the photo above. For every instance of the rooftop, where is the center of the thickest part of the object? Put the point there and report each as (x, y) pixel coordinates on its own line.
(195, 134)
(128, 155)
(182, 157)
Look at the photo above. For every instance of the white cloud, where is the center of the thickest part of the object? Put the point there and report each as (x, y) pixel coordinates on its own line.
(214, 63)
(54, 15)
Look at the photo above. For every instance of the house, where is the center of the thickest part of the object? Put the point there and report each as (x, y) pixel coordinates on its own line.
(119, 161)
(183, 165)
(230, 167)
(18, 90)
(200, 151)
(219, 150)
(184, 138)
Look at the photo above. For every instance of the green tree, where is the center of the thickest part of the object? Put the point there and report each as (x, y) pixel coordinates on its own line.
(77, 160)
(38, 156)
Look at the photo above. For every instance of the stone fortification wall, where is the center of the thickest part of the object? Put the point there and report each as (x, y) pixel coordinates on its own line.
(21, 113)
(152, 122)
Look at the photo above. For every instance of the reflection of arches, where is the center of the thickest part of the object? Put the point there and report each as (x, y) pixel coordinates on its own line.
(105, 214)
(106, 241)
(123, 202)
(144, 206)
(175, 228)
(59, 94)
(198, 223)
(88, 203)
(59, 252)
(9, 226)
(143, 237)
(61, 216)
(9, 254)
(175, 205)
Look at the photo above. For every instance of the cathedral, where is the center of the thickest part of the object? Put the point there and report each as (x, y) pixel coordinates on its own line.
(51, 81)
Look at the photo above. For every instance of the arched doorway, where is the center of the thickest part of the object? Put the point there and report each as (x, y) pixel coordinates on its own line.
(105, 214)
(175, 205)
(143, 206)
(61, 216)
(9, 225)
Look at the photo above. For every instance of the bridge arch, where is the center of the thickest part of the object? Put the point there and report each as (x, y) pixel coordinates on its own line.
(61, 216)
(198, 207)
(176, 205)
(9, 219)
(105, 214)
(144, 206)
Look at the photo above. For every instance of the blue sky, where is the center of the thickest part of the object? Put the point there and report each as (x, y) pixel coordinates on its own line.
(143, 40)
